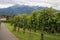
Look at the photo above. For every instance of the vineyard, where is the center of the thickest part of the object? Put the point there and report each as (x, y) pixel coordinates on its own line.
(41, 24)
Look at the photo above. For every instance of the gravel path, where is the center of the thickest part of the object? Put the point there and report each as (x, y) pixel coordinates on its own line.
(5, 34)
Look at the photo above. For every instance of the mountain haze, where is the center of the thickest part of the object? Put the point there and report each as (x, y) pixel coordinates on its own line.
(19, 9)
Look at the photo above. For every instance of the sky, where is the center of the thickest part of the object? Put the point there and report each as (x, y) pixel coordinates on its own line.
(44, 3)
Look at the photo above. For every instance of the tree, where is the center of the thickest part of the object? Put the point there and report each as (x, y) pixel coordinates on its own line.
(45, 15)
(57, 16)
(34, 19)
(24, 22)
(15, 22)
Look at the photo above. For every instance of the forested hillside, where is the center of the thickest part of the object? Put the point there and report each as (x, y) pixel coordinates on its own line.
(19, 9)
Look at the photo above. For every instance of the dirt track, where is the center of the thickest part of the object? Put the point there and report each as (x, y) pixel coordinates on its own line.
(5, 34)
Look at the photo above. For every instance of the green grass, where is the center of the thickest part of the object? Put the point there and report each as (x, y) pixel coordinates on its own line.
(33, 36)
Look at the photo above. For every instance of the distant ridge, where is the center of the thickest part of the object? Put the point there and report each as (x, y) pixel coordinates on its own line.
(19, 9)
(16, 9)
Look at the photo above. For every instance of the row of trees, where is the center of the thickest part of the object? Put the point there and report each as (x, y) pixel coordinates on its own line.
(47, 20)
(43, 20)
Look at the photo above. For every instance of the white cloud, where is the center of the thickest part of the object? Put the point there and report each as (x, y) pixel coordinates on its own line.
(5, 5)
(45, 3)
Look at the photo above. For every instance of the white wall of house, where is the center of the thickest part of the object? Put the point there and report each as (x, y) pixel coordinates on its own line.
(3, 19)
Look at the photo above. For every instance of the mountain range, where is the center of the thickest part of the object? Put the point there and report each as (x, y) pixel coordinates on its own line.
(16, 9)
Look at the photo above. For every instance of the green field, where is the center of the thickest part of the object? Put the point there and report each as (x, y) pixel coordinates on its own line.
(33, 35)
